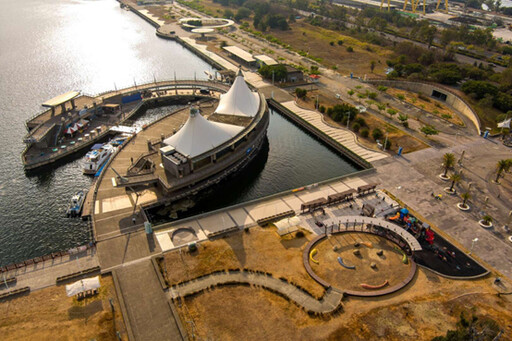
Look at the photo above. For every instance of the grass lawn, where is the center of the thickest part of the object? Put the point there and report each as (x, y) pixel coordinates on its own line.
(316, 41)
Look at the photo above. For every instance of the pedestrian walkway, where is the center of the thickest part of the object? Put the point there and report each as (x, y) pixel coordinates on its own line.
(147, 311)
(342, 136)
(329, 303)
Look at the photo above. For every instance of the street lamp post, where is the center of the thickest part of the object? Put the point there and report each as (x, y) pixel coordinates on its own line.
(348, 119)
(472, 244)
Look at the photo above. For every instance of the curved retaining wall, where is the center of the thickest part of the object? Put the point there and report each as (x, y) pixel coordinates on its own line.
(426, 88)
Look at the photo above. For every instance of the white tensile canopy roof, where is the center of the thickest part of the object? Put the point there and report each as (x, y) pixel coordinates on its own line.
(199, 135)
(239, 100)
(83, 285)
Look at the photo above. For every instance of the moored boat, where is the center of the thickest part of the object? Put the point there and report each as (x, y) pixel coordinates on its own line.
(97, 157)
(76, 203)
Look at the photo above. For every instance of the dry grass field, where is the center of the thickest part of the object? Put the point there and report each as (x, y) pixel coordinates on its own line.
(426, 308)
(48, 314)
(261, 249)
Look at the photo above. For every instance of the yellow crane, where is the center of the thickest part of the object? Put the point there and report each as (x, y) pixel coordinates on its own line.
(382, 2)
(414, 5)
(445, 5)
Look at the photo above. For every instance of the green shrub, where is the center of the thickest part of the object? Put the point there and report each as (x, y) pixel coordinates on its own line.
(331, 43)
(350, 49)
(322, 109)
(356, 126)
(377, 134)
(382, 88)
(340, 42)
(361, 121)
(365, 132)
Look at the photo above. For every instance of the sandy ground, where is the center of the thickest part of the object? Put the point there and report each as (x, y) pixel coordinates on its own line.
(389, 266)
(427, 307)
(48, 314)
(281, 257)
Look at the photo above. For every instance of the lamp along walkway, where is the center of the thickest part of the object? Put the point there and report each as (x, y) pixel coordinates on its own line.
(329, 303)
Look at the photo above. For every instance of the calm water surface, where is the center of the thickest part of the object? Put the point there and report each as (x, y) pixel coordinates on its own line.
(50, 47)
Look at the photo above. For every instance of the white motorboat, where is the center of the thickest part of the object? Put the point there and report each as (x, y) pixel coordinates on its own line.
(97, 156)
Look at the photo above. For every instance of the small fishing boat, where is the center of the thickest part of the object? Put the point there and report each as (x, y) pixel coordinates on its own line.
(75, 205)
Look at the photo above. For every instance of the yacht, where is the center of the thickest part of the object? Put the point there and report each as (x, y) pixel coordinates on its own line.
(97, 156)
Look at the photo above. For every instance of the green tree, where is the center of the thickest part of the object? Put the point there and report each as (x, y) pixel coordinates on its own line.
(350, 92)
(228, 14)
(454, 179)
(372, 95)
(242, 13)
(429, 130)
(465, 197)
(372, 65)
(301, 93)
(448, 162)
(377, 134)
(279, 72)
(502, 165)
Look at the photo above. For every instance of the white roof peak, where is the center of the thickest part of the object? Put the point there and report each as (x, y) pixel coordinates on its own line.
(198, 135)
(239, 100)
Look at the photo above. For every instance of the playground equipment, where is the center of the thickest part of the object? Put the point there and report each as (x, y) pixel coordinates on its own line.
(352, 267)
(404, 256)
(368, 244)
(429, 236)
(312, 254)
(368, 286)
(395, 217)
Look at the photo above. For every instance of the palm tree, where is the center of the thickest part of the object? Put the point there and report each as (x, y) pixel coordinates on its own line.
(448, 162)
(465, 197)
(487, 219)
(501, 166)
(454, 178)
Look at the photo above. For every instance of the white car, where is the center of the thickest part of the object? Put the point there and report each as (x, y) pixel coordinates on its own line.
(361, 108)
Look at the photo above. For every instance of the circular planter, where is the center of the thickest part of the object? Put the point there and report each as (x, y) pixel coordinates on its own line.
(447, 190)
(510, 239)
(443, 177)
(484, 225)
(462, 208)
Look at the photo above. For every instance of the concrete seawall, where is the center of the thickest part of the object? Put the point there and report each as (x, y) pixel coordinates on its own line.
(353, 157)
(427, 88)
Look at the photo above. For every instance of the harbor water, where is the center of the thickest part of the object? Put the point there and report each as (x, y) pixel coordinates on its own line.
(54, 46)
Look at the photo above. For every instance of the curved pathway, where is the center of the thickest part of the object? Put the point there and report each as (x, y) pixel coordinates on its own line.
(329, 303)
(342, 136)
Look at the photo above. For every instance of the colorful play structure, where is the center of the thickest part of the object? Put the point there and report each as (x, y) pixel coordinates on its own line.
(312, 254)
(352, 267)
(412, 226)
(404, 256)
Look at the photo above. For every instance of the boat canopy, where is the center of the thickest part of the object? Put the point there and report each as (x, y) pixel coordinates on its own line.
(199, 135)
(239, 100)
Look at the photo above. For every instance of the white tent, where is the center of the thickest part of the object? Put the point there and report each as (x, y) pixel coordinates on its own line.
(287, 225)
(199, 135)
(505, 124)
(82, 286)
(239, 100)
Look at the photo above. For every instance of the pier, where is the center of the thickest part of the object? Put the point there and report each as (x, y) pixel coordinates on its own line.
(46, 140)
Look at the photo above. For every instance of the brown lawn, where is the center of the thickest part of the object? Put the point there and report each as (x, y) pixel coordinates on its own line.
(428, 307)
(48, 314)
(281, 257)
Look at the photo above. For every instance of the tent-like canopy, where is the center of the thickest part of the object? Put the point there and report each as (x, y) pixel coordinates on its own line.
(82, 286)
(199, 135)
(239, 100)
